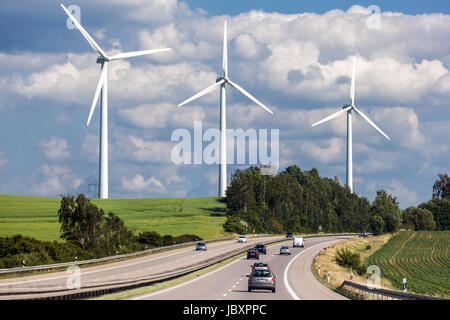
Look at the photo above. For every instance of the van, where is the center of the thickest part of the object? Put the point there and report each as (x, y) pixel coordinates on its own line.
(298, 242)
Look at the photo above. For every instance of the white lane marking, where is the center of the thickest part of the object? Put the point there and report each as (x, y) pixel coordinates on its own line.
(224, 295)
(111, 268)
(229, 290)
(185, 283)
(285, 280)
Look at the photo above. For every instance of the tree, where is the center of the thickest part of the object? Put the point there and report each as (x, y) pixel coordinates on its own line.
(440, 209)
(386, 206)
(418, 219)
(441, 187)
(81, 222)
(377, 225)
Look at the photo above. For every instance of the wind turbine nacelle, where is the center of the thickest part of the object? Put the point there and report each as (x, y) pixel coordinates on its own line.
(345, 106)
(219, 79)
(101, 59)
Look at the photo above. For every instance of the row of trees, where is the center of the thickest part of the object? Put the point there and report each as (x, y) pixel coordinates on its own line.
(301, 201)
(85, 225)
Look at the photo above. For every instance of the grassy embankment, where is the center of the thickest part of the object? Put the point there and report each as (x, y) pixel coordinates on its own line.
(421, 257)
(37, 216)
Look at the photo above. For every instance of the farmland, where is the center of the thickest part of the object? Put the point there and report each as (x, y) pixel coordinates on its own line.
(421, 256)
(37, 216)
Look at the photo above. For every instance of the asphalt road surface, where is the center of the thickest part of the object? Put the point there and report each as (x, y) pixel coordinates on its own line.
(229, 282)
(150, 265)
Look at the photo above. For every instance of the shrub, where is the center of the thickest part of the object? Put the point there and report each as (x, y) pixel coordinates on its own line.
(348, 259)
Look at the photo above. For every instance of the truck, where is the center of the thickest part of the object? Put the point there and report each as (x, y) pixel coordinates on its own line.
(298, 242)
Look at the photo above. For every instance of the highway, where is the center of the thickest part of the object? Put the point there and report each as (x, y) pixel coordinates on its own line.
(229, 282)
(155, 264)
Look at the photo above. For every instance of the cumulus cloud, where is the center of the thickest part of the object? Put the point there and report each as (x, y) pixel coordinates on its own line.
(54, 148)
(137, 149)
(56, 180)
(139, 184)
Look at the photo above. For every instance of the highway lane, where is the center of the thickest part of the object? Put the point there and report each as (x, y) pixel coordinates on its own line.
(229, 282)
(159, 263)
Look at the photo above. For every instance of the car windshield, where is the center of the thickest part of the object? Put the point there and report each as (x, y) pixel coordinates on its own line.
(241, 236)
(284, 247)
(262, 273)
(201, 244)
(257, 265)
(260, 246)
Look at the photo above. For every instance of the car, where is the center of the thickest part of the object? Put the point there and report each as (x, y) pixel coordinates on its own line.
(289, 235)
(260, 266)
(262, 280)
(285, 250)
(363, 234)
(298, 242)
(242, 239)
(252, 254)
(261, 248)
(200, 246)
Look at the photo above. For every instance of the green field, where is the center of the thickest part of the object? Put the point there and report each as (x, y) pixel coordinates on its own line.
(37, 216)
(421, 257)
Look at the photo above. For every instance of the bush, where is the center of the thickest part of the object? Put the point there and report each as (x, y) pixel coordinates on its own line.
(150, 238)
(233, 224)
(377, 225)
(348, 259)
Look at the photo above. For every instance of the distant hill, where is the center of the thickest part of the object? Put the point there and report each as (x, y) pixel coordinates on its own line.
(37, 216)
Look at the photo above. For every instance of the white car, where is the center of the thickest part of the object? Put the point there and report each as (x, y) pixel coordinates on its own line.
(298, 242)
(242, 239)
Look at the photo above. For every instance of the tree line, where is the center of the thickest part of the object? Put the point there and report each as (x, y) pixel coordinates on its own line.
(301, 201)
(88, 233)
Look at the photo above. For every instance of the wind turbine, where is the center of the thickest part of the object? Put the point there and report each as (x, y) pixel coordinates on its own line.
(348, 109)
(103, 60)
(221, 82)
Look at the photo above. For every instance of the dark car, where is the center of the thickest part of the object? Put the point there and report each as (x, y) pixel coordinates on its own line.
(289, 235)
(252, 254)
(261, 248)
(262, 280)
(363, 234)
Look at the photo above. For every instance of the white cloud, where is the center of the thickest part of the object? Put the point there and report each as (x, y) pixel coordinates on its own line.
(404, 195)
(162, 115)
(55, 148)
(139, 184)
(136, 149)
(56, 180)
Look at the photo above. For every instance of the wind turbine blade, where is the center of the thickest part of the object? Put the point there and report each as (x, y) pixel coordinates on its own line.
(203, 92)
(248, 95)
(225, 51)
(359, 112)
(334, 115)
(352, 89)
(136, 53)
(101, 81)
(86, 35)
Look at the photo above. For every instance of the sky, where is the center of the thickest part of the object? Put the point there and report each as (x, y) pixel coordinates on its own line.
(296, 57)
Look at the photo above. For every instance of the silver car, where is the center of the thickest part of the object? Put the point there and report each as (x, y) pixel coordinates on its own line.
(260, 266)
(285, 250)
(262, 280)
(200, 246)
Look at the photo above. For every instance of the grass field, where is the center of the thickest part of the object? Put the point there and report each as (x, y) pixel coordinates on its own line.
(421, 256)
(37, 216)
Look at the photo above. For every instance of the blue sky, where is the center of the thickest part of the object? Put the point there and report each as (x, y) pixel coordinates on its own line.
(294, 56)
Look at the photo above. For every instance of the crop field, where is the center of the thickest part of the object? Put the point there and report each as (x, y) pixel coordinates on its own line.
(37, 216)
(421, 256)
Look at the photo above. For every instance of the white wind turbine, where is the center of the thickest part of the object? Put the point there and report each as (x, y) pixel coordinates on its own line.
(348, 109)
(104, 59)
(221, 82)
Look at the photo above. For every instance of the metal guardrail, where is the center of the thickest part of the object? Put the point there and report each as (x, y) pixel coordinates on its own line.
(104, 259)
(100, 289)
(384, 294)
(106, 288)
